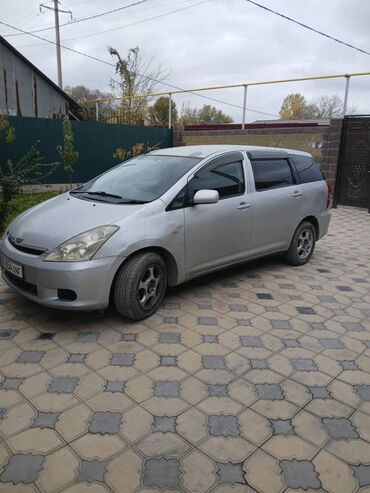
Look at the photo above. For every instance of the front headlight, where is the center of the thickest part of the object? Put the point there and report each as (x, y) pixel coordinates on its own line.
(81, 247)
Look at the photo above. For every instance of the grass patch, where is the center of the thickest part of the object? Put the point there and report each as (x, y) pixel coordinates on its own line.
(23, 202)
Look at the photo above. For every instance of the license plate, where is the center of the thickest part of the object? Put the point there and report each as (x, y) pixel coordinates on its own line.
(12, 267)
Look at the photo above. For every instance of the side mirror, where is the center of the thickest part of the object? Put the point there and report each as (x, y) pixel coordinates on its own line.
(206, 197)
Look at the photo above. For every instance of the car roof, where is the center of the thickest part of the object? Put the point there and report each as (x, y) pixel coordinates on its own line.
(203, 151)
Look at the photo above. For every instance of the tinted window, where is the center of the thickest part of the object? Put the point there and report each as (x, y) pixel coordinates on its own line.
(307, 169)
(142, 179)
(227, 179)
(271, 173)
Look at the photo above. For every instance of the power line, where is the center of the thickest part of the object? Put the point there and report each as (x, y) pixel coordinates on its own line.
(308, 27)
(128, 25)
(92, 57)
(95, 16)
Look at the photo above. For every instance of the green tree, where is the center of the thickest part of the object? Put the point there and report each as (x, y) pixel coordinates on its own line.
(158, 112)
(67, 152)
(295, 107)
(207, 114)
(137, 80)
(30, 169)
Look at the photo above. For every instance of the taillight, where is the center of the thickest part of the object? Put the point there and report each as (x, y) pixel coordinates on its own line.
(330, 193)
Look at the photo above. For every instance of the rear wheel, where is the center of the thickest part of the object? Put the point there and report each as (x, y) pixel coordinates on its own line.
(140, 285)
(302, 245)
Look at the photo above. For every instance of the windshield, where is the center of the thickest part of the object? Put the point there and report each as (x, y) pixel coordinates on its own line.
(139, 180)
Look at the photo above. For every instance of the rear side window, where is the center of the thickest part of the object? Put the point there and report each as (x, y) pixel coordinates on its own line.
(227, 179)
(271, 173)
(308, 170)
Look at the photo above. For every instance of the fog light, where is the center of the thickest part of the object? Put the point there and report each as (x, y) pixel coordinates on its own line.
(67, 295)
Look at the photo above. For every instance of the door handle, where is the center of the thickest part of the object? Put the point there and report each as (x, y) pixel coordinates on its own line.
(296, 193)
(243, 205)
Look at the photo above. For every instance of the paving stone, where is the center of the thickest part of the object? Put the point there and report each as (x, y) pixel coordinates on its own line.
(327, 299)
(63, 385)
(11, 383)
(319, 392)
(46, 336)
(171, 306)
(363, 392)
(345, 288)
(165, 424)
(76, 358)
(317, 325)
(340, 428)
(22, 468)
(2, 412)
(291, 343)
(129, 337)
(282, 427)
(362, 473)
(210, 338)
(300, 474)
(30, 357)
(114, 386)
(168, 361)
(204, 306)
(259, 364)
(207, 320)
(231, 473)
(286, 285)
(170, 320)
(213, 362)
(166, 388)
(92, 470)
(88, 337)
(45, 419)
(7, 334)
(122, 359)
(238, 308)
(353, 327)
(105, 422)
(332, 343)
(269, 391)
(162, 473)
(264, 296)
(217, 390)
(203, 294)
(250, 341)
(169, 337)
(226, 426)
(305, 310)
(244, 322)
(348, 365)
(304, 364)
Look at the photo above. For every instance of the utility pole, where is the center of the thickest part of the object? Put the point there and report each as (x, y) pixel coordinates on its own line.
(57, 36)
(57, 39)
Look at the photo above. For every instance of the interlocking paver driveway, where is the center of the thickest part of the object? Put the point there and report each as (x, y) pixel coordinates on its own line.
(253, 379)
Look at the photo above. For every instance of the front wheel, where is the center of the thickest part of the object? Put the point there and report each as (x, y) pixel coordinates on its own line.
(302, 244)
(140, 285)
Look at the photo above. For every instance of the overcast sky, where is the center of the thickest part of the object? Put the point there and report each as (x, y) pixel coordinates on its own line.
(217, 42)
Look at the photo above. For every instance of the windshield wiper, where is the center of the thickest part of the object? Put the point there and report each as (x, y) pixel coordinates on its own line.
(104, 194)
(133, 201)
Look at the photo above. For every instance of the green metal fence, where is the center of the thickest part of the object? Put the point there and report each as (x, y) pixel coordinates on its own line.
(95, 142)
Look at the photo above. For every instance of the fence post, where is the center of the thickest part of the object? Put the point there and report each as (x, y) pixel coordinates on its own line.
(97, 110)
(169, 110)
(346, 91)
(244, 105)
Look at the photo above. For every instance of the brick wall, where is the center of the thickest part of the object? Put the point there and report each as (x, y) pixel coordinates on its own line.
(322, 141)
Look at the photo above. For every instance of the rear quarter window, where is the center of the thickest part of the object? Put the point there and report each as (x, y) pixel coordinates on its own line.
(307, 169)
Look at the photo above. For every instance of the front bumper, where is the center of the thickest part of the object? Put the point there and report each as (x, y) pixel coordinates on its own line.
(91, 281)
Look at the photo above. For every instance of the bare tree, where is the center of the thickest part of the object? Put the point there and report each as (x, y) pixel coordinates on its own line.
(330, 107)
(137, 78)
(83, 95)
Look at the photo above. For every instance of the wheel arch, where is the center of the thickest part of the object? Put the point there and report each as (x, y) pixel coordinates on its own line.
(315, 223)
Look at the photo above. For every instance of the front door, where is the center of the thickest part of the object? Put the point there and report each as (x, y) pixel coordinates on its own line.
(218, 234)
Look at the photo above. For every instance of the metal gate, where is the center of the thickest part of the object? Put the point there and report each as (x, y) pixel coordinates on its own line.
(353, 178)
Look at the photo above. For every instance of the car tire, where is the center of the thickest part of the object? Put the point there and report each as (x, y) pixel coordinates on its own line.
(140, 285)
(302, 245)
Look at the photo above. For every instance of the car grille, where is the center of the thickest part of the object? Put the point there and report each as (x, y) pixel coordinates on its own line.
(30, 250)
(21, 283)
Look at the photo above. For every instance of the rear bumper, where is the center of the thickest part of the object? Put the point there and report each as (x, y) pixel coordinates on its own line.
(324, 221)
(91, 281)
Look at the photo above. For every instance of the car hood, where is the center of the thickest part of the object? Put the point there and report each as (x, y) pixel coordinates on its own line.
(54, 221)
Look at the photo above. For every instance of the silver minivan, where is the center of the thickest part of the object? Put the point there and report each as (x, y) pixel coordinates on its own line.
(161, 219)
